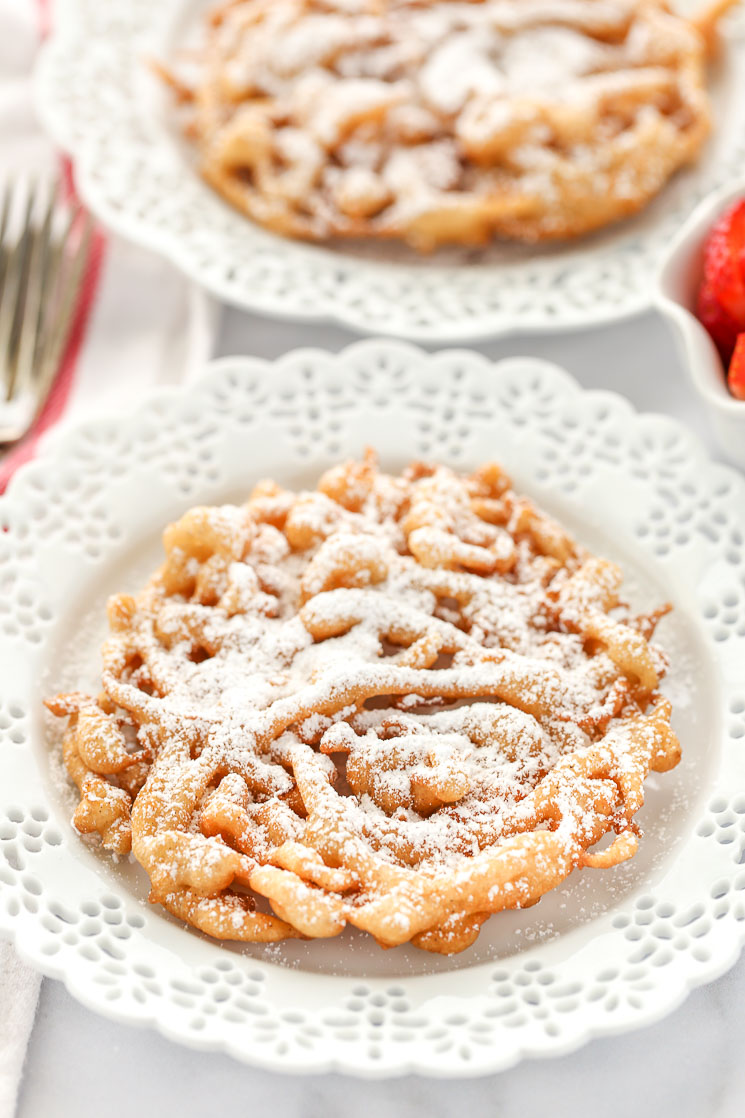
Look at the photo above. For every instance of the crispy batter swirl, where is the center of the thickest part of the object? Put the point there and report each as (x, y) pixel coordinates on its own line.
(400, 702)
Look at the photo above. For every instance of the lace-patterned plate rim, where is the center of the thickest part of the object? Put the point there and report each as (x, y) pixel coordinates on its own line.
(136, 177)
(74, 520)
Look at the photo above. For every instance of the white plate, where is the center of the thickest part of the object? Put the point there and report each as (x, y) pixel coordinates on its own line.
(606, 951)
(103, 105)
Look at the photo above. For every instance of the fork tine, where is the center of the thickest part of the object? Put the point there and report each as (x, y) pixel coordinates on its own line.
(44, 273)
(7, 295)
(13, 298)
(39, 284)
(7, 191)
(25, 246)
(4, 212)
(56, 259)
(58, 334)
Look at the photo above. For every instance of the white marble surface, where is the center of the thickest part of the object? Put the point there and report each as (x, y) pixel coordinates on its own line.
(688, 1065)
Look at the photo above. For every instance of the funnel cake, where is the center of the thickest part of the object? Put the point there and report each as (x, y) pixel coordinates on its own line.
(446, 123)
(402, 703)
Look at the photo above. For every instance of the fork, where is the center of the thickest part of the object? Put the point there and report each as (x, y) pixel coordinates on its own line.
(42, 265)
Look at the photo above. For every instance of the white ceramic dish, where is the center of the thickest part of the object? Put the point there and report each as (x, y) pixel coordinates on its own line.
(605, 952)
(679, 278)
(103, 105)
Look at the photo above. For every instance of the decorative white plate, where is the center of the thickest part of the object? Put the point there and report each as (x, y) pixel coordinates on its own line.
(606, 951)
(102, 104)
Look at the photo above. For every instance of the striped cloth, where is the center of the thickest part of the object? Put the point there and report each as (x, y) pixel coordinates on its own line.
(138, 323)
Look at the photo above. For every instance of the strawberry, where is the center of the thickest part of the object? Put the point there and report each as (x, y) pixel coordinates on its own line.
(724, 263)
(736, 374)
(723, 329)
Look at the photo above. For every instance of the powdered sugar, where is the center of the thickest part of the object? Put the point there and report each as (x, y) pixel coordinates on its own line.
(492, 109)
(317, 644)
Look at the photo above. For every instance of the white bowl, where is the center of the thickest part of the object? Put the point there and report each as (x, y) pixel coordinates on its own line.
(677, 285)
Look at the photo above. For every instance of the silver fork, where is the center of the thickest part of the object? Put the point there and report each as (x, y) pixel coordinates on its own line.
(44, 247)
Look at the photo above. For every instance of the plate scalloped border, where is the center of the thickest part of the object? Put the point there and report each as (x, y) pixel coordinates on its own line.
(99, 485)
(135, 176)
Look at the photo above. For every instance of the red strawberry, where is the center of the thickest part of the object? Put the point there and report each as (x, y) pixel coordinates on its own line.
(736, 374)
(724, 263)
(723, 329)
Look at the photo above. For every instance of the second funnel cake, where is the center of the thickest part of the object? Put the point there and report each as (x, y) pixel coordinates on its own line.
(446, 123)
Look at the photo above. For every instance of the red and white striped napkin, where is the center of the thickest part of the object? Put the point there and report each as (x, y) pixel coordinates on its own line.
(138, 324)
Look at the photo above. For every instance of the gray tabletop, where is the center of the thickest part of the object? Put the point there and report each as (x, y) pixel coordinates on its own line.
(688, 1065)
